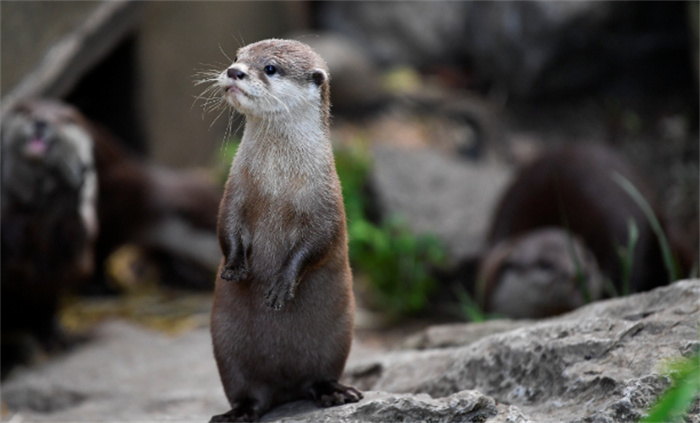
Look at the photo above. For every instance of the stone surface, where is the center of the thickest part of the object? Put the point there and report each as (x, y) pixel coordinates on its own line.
(446, 196)
(465, 406)
(356, 84)
(530, 48)
(459, 334)
(123, 373)
(604, 362)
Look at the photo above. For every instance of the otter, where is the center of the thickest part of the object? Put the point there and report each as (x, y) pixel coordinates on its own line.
(63, 176)
(541, 273)
(49, 220)
(571, 187)
(283, 308)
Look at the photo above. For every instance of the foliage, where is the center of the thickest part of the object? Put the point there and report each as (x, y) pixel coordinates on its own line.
(397, 262)
(626, 255)
(673, 405)
(469, 308)
(228, 151)
(671, 265)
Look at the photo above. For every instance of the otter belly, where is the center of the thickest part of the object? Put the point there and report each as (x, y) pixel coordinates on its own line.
(279, 354)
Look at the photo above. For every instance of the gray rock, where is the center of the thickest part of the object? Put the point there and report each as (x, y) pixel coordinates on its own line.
(465, 406)
(604, 362)
(124, 373)
(525, 46)
(459, 334)
(446, 196)
(356, 84)
(530, 48)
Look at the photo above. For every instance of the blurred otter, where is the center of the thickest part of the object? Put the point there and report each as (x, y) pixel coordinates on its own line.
(170, 214)
(571, 188)
(541, 273)
(49, 218)
(62, 177)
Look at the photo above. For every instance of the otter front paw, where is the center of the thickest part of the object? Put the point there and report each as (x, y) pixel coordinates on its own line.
(234, 271)
(278, 294)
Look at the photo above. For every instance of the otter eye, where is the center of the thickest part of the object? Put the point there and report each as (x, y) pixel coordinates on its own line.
(270, 70)
(235, 59)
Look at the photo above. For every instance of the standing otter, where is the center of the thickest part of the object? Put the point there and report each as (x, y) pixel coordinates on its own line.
(282, 317)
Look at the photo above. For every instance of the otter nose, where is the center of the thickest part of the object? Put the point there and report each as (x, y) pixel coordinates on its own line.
(40, 128)
(234, 73)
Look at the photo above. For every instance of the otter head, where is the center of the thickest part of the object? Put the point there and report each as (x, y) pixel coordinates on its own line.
(539, 274)
(44, 135)
(48, 151)
(273, 77)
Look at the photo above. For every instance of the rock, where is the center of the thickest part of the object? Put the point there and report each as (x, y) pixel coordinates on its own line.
(400, 33)
(446, 196)
(531, 48)
(465, 406)
(603, 362)
(356, 85)
(459, 334)
(124, 373)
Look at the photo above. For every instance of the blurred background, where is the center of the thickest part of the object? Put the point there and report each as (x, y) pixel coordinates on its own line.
(436, 106)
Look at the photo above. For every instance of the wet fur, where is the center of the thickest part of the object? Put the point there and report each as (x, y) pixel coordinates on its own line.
(283, 306)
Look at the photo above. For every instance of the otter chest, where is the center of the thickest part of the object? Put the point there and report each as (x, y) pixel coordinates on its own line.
(280, 175)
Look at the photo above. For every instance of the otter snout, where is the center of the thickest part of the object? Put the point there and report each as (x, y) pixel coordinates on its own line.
(236, 73)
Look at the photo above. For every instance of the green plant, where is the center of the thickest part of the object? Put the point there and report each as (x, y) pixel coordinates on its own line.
(673, 405)
(632, 191)
(228, 151)
(397, 262)
(579, 275)
(626, 255)
(469, 308)
(353, 165)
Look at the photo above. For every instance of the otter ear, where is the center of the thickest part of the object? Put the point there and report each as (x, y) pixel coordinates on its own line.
(319, 76)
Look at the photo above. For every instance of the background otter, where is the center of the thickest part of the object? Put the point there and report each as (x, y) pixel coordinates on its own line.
(282, 318)
(62, 177)
(49, 220)
(571, 187)
(540, 273)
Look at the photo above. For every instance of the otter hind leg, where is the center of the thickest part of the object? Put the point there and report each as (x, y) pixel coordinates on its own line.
(330, 393)
(247, 410)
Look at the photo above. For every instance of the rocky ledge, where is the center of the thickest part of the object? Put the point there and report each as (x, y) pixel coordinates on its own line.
(605, 362)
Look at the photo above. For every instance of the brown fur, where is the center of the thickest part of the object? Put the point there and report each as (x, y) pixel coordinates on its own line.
(137, 197)
(54, 200)
(283, 306)
(571, 187)
(49, 220)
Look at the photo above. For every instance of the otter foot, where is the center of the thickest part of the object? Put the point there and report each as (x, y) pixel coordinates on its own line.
(328, 394)
(242, 412)
(234, 271)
